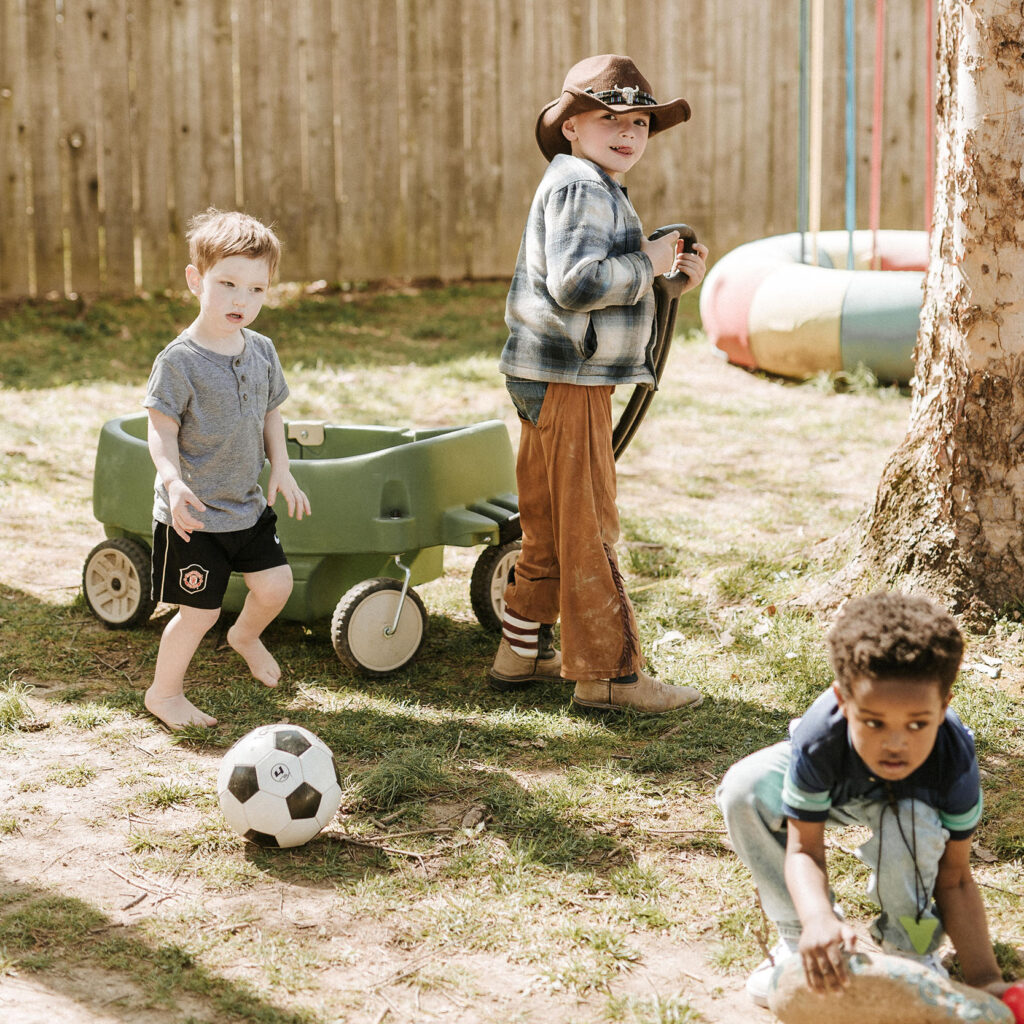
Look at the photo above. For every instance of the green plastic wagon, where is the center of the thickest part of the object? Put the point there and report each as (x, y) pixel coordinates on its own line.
(386, 502)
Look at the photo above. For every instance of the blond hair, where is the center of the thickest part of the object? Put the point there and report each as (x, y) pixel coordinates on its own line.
(216, 234)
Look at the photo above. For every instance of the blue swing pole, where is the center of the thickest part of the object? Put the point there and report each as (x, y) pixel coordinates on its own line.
(851, 133)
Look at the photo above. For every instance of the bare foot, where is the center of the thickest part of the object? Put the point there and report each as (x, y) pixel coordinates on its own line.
(176, 712)
(260, 661)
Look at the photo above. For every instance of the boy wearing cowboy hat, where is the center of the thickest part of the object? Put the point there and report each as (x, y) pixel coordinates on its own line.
(580, 314)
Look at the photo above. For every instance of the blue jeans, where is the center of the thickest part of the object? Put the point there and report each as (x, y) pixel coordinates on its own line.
(527, 396)
(750, 798)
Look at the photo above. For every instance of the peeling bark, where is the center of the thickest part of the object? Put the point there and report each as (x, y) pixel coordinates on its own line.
(948, 514)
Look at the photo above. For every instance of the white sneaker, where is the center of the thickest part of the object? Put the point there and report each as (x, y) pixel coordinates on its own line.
(760, 979)
(930, 961)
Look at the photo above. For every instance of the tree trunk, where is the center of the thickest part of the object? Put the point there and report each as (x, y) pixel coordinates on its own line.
(949, 510)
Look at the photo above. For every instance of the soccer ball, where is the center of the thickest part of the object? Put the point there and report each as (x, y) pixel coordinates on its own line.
(278, 785)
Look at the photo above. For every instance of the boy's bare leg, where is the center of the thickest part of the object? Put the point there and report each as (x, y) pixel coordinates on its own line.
(268, 592)
(165, 698)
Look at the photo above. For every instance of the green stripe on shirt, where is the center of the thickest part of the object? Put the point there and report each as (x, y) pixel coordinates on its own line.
(793, 796)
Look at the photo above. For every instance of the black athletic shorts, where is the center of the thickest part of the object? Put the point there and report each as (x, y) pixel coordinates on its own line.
(196, 573)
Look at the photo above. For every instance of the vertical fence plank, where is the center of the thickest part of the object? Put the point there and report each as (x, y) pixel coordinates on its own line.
(481, 138)
(724, 133)
(610, 27)
(15, 85)
(833, 189)
(284, 146)
(520, 164)
(44, 149)
(115, 153)
(321, 204)
(642, 39)
(79, 145)
(214, 69)
(427, 108)
(694, 77)
(357, 146)
(151, 142)
(520, 100)
(257, 93)
(188, 193)
(377, 164)
(782, 67)
(903, 137)
(917, 113)
(864, 29)
(448, 172)
(753, 132)
(669, 52)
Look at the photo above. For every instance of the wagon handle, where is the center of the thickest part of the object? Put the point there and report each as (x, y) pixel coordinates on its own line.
(667, 289)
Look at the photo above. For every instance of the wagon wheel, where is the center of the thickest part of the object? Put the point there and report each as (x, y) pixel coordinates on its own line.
(361, 627)
(116, 582)
(491, 575)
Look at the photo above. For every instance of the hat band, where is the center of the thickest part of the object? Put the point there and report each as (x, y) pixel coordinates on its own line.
(630, 96)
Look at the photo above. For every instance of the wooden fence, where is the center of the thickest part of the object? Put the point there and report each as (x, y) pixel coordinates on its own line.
(394, 138)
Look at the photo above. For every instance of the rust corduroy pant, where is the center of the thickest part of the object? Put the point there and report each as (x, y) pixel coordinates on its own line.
(565, 474)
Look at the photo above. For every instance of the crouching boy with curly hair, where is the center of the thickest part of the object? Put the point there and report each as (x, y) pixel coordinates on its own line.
(880, 748)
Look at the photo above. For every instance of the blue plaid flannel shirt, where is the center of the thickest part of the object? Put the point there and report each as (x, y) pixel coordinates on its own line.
(580, 308)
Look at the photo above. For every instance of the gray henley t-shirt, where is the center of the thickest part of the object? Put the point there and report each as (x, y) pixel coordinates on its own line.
(219, 403)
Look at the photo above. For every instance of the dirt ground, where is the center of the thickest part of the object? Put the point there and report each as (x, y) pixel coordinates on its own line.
(84, 850)
(81, 847)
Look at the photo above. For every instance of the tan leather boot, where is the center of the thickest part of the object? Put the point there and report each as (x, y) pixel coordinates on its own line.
(512, 671)
(647, 694)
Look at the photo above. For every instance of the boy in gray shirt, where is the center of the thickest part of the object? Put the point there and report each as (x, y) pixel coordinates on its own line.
(214, 399)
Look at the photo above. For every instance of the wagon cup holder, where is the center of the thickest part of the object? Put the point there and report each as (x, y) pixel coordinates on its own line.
(308, 433)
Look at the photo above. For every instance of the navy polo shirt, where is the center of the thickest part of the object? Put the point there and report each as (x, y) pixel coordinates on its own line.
(825, 771)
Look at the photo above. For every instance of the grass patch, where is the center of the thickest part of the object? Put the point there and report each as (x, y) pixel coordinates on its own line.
(72, 777)
(14, 706)
(174, 794)
(489, 845)
(90, 716)
(402, 775)
(672, 1009)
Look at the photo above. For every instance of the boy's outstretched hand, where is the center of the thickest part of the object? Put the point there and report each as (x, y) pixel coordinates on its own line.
(285, 485)
(821, 949)
(180, 497)
(693, 264)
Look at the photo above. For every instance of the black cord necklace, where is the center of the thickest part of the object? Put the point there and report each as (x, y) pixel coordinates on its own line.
(920, 935)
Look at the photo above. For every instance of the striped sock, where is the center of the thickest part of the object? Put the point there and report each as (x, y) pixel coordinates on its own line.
(521, 634)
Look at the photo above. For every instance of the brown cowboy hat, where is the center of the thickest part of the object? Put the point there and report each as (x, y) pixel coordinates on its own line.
(605, 82)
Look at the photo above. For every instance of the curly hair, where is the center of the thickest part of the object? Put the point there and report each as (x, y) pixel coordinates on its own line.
(216, 234)
(895, 636)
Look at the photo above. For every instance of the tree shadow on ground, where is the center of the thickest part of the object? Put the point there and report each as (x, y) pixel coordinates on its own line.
(62, 942)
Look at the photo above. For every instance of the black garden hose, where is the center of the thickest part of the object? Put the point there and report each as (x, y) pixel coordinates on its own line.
(667, 289)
